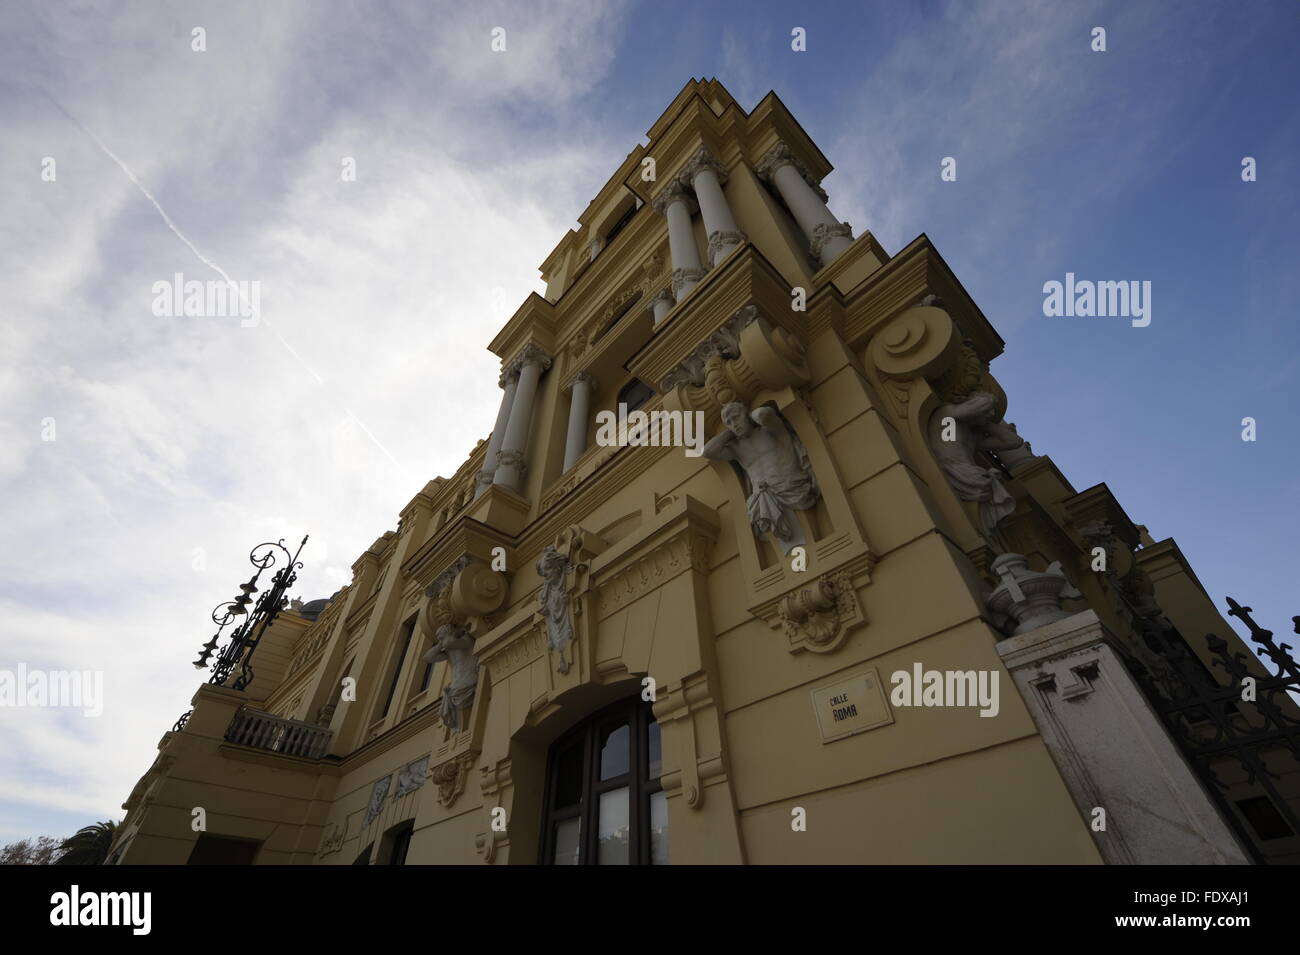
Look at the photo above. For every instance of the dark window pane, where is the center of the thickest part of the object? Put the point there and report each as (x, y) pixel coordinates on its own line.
(656, 755)
(634, 394)
(568, 777)
(613, 751)
(567, 841)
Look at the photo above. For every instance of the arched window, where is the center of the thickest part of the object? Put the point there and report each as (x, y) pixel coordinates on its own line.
(604, 804)
(634, 394)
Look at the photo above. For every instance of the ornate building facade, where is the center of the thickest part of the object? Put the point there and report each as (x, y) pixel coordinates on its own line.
(856, 618)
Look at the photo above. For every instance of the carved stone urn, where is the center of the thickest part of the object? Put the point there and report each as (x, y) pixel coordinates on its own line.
(1028, 598)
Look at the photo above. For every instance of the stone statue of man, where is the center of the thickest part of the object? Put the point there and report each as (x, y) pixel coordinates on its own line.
(554, 600)
(775, 462)
(975, 426)
(455, 645)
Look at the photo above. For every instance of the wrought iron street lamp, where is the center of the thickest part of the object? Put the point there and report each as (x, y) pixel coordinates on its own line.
(248, 634)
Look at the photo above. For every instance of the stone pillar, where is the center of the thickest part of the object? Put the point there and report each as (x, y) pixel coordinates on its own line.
(594, 247)
(662, 304)
(511, 466)
(510, 382)
(807, 203)
(707, 176)
(677, 206)
(1113, 751)
(579, 407)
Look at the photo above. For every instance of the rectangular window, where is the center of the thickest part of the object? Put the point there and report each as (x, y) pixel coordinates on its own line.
(400, 842)
(404, 644)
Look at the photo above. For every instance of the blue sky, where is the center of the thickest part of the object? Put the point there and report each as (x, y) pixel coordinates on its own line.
(182, 442)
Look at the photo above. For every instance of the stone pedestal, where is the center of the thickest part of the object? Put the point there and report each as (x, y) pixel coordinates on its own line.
(1113, 751)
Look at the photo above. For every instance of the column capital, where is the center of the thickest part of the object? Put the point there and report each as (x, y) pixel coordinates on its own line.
(584, 377)
(509, 374)
(824, 233)
(684, 277)
(665, 294)
(698, 163)
(781, 155)
(675, 191)
(531, 354)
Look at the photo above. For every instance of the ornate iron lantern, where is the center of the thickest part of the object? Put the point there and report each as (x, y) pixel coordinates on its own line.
(247, 634)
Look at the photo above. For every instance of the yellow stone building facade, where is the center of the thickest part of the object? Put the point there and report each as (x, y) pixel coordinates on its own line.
(856, 628)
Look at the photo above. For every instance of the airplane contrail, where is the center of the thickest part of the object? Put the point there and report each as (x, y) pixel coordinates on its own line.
(209, 263)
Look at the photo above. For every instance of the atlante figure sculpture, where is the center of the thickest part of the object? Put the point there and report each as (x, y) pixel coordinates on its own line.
(776, 463)
(455, 645)
(960, 429)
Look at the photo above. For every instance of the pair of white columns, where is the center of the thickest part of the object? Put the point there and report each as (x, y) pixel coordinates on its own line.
(506, 460)
(828, 237)
(704, 176)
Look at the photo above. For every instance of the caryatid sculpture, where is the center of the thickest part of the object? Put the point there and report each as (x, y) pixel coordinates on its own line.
(455, 645)
(775, 462)
(960, 429)
(554, 600)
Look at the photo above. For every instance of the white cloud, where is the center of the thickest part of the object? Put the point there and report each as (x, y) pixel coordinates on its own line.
(177, 434)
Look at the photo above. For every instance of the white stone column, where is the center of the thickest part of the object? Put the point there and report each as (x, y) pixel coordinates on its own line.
(807, 203)
(707, 177)
(580, 391)
(510, 382)
(662, 304)
(677, 206)
(511, 460)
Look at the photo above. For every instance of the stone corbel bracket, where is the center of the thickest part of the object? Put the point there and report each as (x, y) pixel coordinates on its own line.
(744, 357)
(820, 616)
(922, 342)
(678, 704)
(450, 776)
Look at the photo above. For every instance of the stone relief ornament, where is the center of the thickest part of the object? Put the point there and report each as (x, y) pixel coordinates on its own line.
(776, 465)
(450, 776)
(377, 796)
(554, 600)
(455, 644)
(411, 776)
(333, 842)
